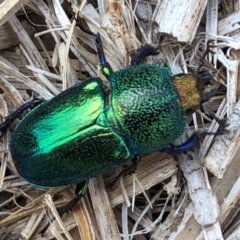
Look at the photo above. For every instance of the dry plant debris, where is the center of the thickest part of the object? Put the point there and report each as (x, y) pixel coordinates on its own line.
(43, 52)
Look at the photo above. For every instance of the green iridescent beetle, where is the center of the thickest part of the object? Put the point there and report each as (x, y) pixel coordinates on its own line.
(83, 132)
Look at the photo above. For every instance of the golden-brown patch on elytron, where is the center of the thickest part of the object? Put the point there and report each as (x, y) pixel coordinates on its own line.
(188, 91)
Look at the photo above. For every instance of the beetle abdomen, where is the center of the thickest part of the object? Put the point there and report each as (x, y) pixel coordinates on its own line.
(60, 143)
(147, 106)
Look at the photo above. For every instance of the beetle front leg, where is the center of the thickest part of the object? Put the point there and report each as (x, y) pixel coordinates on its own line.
(128, 171)
(142, 53)
(17, 113)
(191, 143)
(194, 140)
(80, 191)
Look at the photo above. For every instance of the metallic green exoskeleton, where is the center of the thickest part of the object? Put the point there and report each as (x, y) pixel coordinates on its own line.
(77, 134)
(83, 132)
(68, 139)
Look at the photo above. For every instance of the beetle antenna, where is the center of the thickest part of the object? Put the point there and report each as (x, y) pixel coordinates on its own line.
(208, 50)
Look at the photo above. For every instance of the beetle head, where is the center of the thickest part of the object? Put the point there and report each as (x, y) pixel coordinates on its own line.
(190, 86)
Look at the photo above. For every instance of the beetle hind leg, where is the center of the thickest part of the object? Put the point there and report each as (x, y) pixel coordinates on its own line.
(80, 191)
(128, 171)
(17, 113)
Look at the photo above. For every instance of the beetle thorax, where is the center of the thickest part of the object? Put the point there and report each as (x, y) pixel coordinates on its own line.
(147, 108)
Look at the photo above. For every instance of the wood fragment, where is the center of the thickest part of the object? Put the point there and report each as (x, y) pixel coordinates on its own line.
(153, 169)
(225, 147)
(8, 37)
(20, 77)
(84, 221)
(206, 208)
(9, 8)
(180, 18)
(229, 24)
(103, 211)
(32, 67)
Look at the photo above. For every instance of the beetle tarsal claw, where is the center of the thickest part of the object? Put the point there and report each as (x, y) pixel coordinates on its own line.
(207, 51)
(61, 211)
(80, 191)
(127, 171)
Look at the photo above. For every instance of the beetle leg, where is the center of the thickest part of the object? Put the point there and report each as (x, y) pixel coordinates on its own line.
(194, 140)
(222, 124)
(207, 96)
(106, 69)
(207, 51)
(17, 113)
(142, 53)
(80, 191)
(135, 161)
(137, 57)
(191, 143)
(128, 171)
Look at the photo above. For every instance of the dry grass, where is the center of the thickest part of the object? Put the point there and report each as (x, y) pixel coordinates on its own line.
(43, 53)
